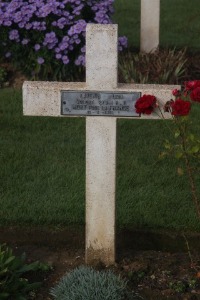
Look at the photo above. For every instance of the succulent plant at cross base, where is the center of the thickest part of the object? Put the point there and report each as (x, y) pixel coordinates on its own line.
(84, 283)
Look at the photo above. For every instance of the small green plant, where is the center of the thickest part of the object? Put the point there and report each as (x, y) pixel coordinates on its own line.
(183, 286)
(136, 276)
(13, 270)
(178, 286)
(192, 283)
(84, 283)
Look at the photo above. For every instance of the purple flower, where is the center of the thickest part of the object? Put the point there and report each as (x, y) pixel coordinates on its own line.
(123, 42)
(50, 40)
(80, 61)
(28, 26)
(57, 50)
(40, 60)
(37, 47)
(83, 49)
(58, 56)
(7, 23)
(18, 17)
(25, 41)
(61, 23)
(14, 35)
(8, 54)
(77, 28)
(65, 59)
(21, 25)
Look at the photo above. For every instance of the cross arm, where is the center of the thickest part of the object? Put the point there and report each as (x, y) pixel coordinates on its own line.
(44, 98)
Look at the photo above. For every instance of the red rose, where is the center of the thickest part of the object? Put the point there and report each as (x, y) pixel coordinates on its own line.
(145, 104)
(180, 107)
(195, 94)
(191, 85)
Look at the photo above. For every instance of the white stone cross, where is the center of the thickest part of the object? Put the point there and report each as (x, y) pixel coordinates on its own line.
(44, 99)
(149, 25)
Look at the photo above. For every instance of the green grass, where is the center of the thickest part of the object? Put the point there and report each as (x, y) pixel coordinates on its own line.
(42, 172)
(42, 166)
(179, 22)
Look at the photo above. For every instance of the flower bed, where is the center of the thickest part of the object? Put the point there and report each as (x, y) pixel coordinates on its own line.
(46, 38)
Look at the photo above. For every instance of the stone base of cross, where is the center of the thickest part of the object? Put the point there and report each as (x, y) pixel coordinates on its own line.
(99, 100)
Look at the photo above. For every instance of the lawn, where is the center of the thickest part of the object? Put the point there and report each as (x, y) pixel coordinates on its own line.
(42, 174)
(179, 22)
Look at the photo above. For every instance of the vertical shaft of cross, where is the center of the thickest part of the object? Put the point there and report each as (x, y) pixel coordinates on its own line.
(101, 75)
(150, 25)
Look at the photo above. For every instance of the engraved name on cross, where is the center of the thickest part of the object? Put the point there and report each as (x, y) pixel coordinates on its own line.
(50, 99)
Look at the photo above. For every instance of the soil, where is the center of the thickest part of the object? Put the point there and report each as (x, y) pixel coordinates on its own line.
(158, 265)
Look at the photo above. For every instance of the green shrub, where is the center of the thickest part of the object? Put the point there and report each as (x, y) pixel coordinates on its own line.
(13, 283)
(163, 67)
(84, 283)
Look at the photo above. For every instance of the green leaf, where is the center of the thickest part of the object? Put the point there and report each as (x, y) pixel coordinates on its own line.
(5, 270)
(16, 264)
(10, 259)
(179, 154)
(191, 137)
(32, 286)
(162, 155)
(167, 146)
(21, 298)
(177, 134)
(30, 267)
(4, 295)
(195, 149)
(184, 119)
(180, 171)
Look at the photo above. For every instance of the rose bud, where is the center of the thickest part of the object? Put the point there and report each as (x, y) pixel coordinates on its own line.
(176, 92)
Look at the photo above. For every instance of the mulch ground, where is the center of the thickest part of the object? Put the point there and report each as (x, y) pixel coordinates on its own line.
(158, 265)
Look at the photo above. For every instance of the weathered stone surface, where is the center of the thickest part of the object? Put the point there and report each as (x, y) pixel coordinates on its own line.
(44, 98)
(101, 56)
(100, 257)
(101, 74)
(150, 25)
(100, 188)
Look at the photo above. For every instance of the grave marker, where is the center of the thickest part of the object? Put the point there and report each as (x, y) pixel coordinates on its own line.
(102, 101)
(150, 25)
